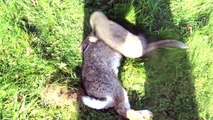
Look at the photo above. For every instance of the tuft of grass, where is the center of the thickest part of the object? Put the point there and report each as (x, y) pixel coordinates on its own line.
(40, 41)
(39, 45)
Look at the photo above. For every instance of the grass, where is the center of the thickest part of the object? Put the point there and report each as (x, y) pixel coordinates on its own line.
(39, 45)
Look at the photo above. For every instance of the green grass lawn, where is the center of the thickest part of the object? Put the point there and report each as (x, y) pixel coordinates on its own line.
(39, 46)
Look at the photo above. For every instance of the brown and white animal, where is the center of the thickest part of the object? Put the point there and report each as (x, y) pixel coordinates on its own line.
(101, 82)
(123, 41)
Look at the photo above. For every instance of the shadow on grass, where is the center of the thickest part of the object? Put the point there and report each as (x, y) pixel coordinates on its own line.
(40, 46)
(169, 88)
(45, 50)
(64, 76)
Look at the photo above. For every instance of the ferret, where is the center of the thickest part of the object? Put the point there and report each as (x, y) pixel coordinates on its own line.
(123, 41)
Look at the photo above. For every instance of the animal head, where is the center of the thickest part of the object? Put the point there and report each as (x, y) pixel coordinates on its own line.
(97, 16)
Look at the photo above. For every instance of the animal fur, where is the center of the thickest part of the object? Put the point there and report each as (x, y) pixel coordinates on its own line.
(101, 82)
(123, 41)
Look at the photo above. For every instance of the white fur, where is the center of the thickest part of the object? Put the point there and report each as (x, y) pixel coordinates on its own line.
(146, 114)
(96, 103)
(126, 99)
(116, 62)
(93, 39)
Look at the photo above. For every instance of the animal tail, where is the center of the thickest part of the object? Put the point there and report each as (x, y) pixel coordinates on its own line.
(96, 103)
(163, 44)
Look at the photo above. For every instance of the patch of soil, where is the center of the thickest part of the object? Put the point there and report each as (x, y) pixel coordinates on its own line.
(61, 95)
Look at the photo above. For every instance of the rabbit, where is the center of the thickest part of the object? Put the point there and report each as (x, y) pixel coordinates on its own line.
(123, 41)
(101, 82)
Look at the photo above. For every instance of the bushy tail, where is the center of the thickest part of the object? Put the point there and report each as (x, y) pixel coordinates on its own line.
(96, 103)
(165, 43)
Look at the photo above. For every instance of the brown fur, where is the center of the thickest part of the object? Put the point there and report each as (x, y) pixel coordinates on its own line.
(100, 77)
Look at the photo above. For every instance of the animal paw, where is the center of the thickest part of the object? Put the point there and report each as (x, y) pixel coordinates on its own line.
(93, 39)
(139, 115)
(146, 114)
